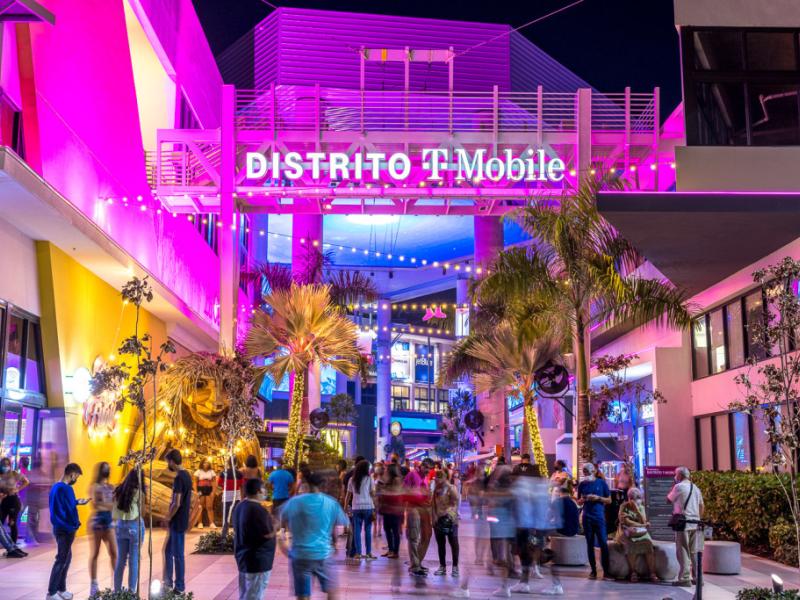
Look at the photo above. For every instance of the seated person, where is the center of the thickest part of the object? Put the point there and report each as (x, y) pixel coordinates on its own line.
(633, 535)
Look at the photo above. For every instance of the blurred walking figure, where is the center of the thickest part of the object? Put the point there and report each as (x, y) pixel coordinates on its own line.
(445, 521)
(231, 481)
(502, 527)
(130, 529)
(390, 505)
(101, 522)
(11, 484)
(377, 481)
(311, 519)
(418, 516)
(253, 541)
(593, 495)
(205, 481)
(281, 481)
(360, 494)
(65, 522)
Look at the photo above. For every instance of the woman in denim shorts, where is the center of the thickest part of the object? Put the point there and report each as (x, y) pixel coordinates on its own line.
(101, 522)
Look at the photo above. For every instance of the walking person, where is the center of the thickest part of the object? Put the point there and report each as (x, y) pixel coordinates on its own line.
(311, 519)
(419, 526)
(281, 481)
(253, 541)
(11, 484)
(686, 500)
(101, 522)
(65, 522)
(502, 527)
(130, 529)
(360, 495)
(593, 495)
(178, 516)
(445, 521)
(231, 481)
(390, 503)
(205, 481)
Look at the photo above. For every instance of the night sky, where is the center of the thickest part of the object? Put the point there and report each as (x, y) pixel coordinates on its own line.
(609, 43)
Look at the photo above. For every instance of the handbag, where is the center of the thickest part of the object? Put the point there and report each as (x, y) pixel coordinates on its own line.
(444, 525)
(677, 522)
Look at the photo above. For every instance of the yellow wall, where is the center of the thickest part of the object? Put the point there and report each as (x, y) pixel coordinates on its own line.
(82, 318)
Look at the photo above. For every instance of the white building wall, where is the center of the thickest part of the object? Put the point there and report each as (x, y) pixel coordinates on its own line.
(18, 272)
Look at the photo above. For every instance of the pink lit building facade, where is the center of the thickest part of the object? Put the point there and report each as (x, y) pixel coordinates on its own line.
(734, 210)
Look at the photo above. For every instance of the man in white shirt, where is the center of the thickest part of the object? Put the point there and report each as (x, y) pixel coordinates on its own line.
(686, 499)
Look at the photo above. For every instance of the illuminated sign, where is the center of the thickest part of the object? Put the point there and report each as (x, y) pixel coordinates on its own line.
(647, 411)
(401, 361)
(100, 413)
(396, 428)
(477, 166)
(417, 423)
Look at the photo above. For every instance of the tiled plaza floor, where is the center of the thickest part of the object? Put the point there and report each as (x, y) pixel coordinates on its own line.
(215, 577)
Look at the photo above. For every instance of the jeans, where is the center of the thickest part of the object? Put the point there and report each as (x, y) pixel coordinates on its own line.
(5, 540)
(391, 526)
(596, 529)
(10, 507)
(58, 575)
(174, 558)
(305, 569)
(253, 586)
(362, 518)
(129, 537)
(451, 537)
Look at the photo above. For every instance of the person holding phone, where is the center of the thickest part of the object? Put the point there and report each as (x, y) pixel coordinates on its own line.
(593, 495)
(65, 521)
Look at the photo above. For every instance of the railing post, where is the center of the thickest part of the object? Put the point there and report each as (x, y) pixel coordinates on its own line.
(656, 131)
(407, 84)
(450, 58)
(539, 117)
(273, 111)
(495, 118)
(363, 83)
(583, 132)
(627, 139)
(317, 118)
(227, 176)
(157, 182)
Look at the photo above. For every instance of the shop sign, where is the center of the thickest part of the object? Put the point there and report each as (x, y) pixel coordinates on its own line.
(99, 413)
(401, 368)
(477, 166)
(658, 483)
(396, 428)
(423, 364)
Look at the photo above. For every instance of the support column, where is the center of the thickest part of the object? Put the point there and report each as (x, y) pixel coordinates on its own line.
(488, 244)
(227, 233)
(384, 374)
(583, 153)
(462, 314)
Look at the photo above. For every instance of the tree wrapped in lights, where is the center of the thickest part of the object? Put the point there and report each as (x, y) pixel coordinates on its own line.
(302, 326)
(456, 438)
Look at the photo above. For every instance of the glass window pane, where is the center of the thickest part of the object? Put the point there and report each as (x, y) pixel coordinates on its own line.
(754, 316)
(771, 51)
(741, 441)
(32, 365)
(14, 364)
(723, 443)
(706, 451)
(718, 50)
(733, 314)
(700, 347)
(8, 444)
(717, 336)
(720, 114)
(774, 114)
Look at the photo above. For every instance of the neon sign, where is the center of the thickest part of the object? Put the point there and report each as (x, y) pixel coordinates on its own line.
(477, 166)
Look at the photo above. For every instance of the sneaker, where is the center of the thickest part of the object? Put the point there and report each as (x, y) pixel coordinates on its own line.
(521, 588)
(370, 557)
(441, 571)
(593, 575)
(16, 553)
(52, 597)
(386, 554)
(556, 590)
(537, 573)
(418, 572)
(502, 592)
(455, 572)
(200, 526)
(459, 593)
(65, 595)
(94, 588)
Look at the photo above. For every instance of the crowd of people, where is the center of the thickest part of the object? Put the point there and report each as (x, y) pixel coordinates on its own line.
(515, 512)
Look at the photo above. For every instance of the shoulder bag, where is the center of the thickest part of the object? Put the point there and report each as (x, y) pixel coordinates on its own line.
(677, 522)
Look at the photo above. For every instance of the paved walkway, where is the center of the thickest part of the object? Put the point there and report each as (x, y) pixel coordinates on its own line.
(215, 577)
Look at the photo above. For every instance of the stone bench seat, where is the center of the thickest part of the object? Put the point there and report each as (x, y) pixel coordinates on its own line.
(569, 551)
(666, 561)
(722, 558)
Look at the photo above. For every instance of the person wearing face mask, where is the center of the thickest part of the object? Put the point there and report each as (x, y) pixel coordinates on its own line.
(65, 521)
(253, 541)
(593, 495)
(102, 523)
(11, 484)
(632, 534)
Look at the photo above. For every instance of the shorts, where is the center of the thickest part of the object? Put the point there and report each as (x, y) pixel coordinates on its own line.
(204, 490)
(102, 521)
(304, 569)
(276, 505)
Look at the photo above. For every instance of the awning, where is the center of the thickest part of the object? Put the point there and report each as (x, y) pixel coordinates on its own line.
(696, 239)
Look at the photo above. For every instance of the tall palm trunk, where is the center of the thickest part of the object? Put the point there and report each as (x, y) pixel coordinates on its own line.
(583, 437)
(535, 436)
(294, 434)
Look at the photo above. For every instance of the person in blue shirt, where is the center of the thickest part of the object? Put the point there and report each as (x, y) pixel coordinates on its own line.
(593, 495)
(311, 518)
(65, 521)
(281, 481)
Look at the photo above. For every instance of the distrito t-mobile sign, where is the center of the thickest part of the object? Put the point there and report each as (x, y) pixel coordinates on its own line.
(477, 166)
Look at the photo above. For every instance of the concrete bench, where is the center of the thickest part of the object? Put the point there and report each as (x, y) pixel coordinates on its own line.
(722, 558)
(666, 561)
(569, 551)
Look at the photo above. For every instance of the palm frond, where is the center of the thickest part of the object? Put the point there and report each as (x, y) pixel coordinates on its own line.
(350, 287)
(278, 276)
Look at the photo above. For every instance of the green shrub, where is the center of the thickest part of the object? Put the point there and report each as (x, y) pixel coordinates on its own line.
(743, 505)
(783, 542)
(129, 595)
(766, 594)
(214, 543)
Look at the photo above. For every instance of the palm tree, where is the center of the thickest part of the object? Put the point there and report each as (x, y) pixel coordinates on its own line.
(580, 273)
(304, 326)
(505, 358)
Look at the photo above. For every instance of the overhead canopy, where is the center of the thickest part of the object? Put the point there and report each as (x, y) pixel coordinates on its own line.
(696, 239)
(24, 11)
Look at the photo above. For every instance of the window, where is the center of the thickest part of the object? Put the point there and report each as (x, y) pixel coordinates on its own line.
(717, 336)
(741, 86)
(401, 397)
(33, 376)
(725, 442)
(21, 356)
(754, 319)
(735, 328)
(422, 402)
(13, 370)
(741, 441)
(700, 349)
